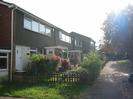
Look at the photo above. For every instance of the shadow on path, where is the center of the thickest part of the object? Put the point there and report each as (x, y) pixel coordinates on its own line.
(112, 82)
(123, 66)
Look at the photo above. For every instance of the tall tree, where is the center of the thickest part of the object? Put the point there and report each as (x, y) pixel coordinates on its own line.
(115, 29)
(130, 31)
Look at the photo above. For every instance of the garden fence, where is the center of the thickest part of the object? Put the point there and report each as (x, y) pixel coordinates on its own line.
(51, 78)
(64, 77)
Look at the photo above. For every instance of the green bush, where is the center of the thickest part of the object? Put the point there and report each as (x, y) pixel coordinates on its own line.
(38, 57)
(92, 63)
(40, 65)
(83, 75)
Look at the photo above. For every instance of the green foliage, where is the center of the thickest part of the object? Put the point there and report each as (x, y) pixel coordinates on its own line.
(91, 58)
(89, 68)
(42, 90)
(92, 64)
(123, 62)
(51, 66)
(38, 57)
(83, 75)
(41, 65)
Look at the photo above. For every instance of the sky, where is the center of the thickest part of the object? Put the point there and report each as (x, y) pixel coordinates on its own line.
(81, 16)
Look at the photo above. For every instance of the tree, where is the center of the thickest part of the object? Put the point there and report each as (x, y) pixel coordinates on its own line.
(130, 31)
(115, 29)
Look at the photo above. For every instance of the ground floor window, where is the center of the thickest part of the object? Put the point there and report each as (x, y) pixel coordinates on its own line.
(3, 60)
(3, 63)
(33, 51)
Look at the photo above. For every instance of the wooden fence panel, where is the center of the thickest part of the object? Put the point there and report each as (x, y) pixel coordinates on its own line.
(51, 78)
(64, 78)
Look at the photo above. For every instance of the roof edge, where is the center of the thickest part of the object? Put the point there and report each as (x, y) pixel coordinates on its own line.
(11, 5)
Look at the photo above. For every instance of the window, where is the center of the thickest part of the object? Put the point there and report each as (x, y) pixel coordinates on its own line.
(48, 31)
(35, 26)
(75, 42)
(27, 23)
(3, 61)
(60, 35)
(41, 28)
(50, 52)
(68, 39)
(92, 43)
(33, 51)
(64, 37)
(3, 54)
(78, 43)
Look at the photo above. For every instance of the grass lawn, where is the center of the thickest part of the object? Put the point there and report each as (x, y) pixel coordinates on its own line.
(123, 62)
(42, 90)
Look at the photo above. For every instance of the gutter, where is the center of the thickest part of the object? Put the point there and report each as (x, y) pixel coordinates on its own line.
(12, 43)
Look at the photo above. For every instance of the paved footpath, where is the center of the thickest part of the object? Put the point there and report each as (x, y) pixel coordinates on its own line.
(112, 82)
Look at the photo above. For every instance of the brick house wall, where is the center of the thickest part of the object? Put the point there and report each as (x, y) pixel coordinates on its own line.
(5, 27)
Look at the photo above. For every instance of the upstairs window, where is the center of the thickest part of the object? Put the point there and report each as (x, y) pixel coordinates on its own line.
(78, 43)
(75, 42)
(27, 23)
(64, 37)
(48, 31)
(41, 28)
(68, 39)
(92, 43)
(35, 26)
(60, 35)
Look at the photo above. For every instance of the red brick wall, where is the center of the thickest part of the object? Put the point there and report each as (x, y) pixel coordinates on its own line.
(5, 27)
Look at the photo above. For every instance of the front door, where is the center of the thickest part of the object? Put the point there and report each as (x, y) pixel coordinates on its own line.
(19, 58)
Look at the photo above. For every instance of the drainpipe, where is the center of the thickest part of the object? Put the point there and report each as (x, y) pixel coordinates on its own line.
(12, 43)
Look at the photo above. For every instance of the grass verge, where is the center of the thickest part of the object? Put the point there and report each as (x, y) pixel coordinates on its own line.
(42, 90)
(123, 62)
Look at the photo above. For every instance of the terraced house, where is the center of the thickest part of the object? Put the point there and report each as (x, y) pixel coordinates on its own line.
(22, 34)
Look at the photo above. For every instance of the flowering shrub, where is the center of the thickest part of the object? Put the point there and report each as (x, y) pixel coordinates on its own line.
(65, 64)
(41, 64)
(57, 58)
